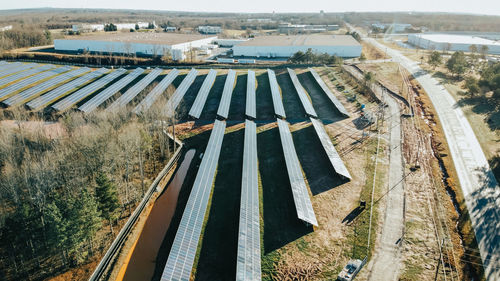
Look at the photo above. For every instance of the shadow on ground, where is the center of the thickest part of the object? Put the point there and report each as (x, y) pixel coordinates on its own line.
(281, 225)
(315, 163)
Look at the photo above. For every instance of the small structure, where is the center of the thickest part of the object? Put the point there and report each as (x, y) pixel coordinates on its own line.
(208, 29)
(351, 270)
(452, 42)
(393, 27)
(285, 46)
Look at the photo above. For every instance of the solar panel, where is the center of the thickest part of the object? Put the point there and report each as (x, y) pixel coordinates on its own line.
(5, 65)
(79, 95)
(16, 67)
(279, 110)
(304, 99)
(250, 110)
(64, 89)
(148, 101)
(177, 96)
(181, 258)
(12, 89)
(248, 261)
(105, 94)
(23, 74)
(133, 91)
(331, 152)
(201, 98)
(225, 100)
(327, 91)
(301, 198)
(41, 88)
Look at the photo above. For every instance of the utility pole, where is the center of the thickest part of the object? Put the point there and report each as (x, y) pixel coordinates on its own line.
(439, 259)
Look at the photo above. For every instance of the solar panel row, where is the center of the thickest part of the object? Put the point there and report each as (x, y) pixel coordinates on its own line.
(177, 96)
(301, 198)
(248, 259)
(12, 89)
(16, 67)
(5, 65)
(148, 101)
(201, 98)
(23, 74)
(84, 92)
(331, 152)
(227, 92)
(41, 88)
(181, 258)
(330, 95)
(304, 99)
(98, 99)
(64, 89)
(250, 110)
(279, 110)
(133, 91)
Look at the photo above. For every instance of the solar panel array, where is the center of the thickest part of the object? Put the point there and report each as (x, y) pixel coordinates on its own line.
(181, 258)
(105, 94)
(62, 90)
(227, 92)
(12, 89)
(250, 110)
(279, 110)
(331, 152)
(304, 99)
(133, 91)
(84, 92)
(202, 95)
(23, 74)
(177, 96)
(5, 65)
(327, 91)
(301, 198)
(41, 88)
(148, 101)
(16, 67)
(248, 260)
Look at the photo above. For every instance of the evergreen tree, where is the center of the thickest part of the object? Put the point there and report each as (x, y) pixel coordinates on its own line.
(435, 59)
(457, 64)
(107, 198)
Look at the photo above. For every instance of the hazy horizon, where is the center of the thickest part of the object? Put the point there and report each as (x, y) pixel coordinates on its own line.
(480, 7)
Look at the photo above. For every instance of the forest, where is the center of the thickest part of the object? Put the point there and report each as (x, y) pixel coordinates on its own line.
(67, 185)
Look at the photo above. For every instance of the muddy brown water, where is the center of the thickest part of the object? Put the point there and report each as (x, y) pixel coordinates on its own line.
(143, 260)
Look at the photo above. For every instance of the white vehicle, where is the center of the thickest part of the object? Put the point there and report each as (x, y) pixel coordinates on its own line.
(350, 270)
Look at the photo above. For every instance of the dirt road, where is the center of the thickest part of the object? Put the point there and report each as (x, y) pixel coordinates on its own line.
(479, 187)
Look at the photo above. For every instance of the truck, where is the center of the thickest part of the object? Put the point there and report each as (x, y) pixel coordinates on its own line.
(351, 270)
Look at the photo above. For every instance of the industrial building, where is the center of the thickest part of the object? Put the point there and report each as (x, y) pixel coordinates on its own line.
(393, 27)
(453, 42)
(136, 43)
(288, 28)
(285, 46)
(207, 29)
(100, 27)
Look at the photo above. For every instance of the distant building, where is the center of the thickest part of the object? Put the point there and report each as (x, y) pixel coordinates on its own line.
(139, 43)
(207, 29)
(285, 46)
(5, 28)
(452, 42)
(288, 28)
(170, 29)
(100, 27)
(393, 27)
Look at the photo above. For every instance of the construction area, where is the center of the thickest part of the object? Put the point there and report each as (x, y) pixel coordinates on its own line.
(296, 172)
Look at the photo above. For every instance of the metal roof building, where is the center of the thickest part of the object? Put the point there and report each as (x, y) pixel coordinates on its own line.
(453, 42)
(134, 42)
(286, 46)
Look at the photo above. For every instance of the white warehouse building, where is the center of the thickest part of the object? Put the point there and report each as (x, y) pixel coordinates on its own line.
(453, 42)
(285, 46)
(139, 43)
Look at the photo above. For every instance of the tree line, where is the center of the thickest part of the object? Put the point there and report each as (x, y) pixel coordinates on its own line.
(24, 37)
(61, 196)
(310, 57)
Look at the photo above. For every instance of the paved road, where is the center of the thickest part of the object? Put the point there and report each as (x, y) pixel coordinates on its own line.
(480, 189)
(387, 259)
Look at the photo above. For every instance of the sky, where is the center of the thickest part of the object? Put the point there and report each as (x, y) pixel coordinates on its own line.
(489, 7)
